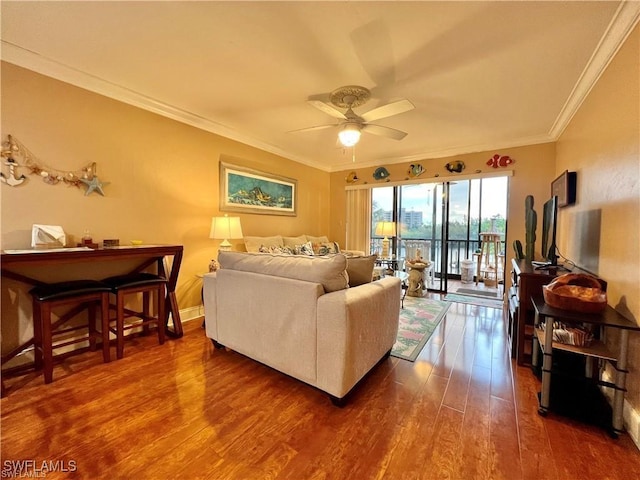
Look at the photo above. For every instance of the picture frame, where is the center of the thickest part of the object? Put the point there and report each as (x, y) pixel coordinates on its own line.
(245, 190)
(564, 187)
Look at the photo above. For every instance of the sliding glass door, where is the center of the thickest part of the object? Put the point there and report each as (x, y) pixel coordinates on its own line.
(445, 219)
(419, 211)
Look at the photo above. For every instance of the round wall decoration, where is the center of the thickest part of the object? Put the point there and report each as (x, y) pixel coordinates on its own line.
(455, 167)
(381, 173)
(415, 170)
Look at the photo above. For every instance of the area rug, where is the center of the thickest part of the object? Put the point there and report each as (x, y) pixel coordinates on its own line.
(474, 300)
(481, 293)
(418, 319)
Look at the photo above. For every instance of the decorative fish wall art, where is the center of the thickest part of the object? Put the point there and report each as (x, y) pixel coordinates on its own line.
(500, 161)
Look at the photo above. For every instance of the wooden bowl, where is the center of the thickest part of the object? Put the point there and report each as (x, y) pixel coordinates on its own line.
(575, 298)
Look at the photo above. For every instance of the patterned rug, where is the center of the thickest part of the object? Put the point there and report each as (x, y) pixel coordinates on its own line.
(474, 300)
(418, 319)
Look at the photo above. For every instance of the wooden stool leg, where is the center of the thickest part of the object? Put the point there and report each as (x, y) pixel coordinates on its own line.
(160, 294)
(91, 320)
(47, 347)
(104, 318)
(146, 313)
(37, 335)
(120, 324)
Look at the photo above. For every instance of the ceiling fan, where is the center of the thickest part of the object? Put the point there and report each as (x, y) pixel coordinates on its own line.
(350, 97)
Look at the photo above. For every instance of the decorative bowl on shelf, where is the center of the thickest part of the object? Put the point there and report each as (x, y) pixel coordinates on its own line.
(575, 292)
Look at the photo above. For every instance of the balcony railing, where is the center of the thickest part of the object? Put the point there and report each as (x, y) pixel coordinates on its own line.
(458, 250)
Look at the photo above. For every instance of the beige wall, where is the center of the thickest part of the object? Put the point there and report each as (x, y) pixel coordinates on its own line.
(533, 170)
(163, 180)
(602, 144)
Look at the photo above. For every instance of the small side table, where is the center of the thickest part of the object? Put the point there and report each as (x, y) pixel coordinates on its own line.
(609, 318)
(391, 264)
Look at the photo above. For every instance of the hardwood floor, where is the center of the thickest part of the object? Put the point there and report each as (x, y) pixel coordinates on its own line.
(462, 410)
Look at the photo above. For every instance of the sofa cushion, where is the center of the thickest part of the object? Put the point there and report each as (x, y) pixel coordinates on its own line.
(293, 241)
(330, 272)
(322, 239)
(253, 244)
(360, 269)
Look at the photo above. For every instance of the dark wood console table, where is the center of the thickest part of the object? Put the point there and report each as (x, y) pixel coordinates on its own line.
(147, 255)
(526, 281)
(609, 318)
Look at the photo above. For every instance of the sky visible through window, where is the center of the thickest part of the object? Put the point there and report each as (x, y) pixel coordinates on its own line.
(419, 198)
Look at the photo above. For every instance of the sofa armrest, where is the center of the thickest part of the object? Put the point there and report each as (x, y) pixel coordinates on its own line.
(356, 327)
(210, 304)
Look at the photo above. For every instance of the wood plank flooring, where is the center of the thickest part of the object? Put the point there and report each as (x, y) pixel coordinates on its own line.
(462, 410)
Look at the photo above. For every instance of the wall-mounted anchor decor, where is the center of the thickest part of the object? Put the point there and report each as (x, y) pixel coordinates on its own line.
(12, 148)
(12, 180)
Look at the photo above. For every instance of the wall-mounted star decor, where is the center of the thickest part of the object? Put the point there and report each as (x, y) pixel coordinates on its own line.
(94, 185)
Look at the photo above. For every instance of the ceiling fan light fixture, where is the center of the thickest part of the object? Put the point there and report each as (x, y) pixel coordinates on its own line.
(349, 135)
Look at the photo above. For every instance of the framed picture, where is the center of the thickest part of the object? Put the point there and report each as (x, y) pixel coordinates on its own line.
(250, 191)
(564, 187)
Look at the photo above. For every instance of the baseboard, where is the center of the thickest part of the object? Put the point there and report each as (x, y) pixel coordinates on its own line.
(631, 417)
(191, 313)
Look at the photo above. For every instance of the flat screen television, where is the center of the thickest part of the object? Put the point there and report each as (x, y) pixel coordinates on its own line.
(549, 226)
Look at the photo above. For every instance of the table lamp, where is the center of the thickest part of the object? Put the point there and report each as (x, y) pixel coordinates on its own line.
(386, 229)
(224, 228)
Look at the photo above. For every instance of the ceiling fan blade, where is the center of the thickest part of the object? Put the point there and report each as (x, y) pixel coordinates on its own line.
(393, 108)
(384, 131)
(328, 109)
(311, 129)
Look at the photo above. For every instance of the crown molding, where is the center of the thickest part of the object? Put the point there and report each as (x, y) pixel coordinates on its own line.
(33, 61)
(619, 28)
(621, 25)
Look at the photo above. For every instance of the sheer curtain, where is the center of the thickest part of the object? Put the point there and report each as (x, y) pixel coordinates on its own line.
(359, 219)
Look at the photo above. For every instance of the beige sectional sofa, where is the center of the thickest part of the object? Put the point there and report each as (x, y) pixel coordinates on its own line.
(299, 315)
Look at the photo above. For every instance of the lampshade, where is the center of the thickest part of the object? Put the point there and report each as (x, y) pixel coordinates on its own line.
(223, 228)
(349, 135)
(386, 229)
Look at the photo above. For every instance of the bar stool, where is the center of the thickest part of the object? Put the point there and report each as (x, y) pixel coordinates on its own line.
(489, 262)
(132, 284)
(86, 294)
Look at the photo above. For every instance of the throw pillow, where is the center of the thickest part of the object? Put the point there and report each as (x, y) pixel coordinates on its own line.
(303, 249)
(325, 248)
(273, 249)
(360, 269)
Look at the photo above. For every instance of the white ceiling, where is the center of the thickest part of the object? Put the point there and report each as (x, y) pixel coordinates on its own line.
(482, 75)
